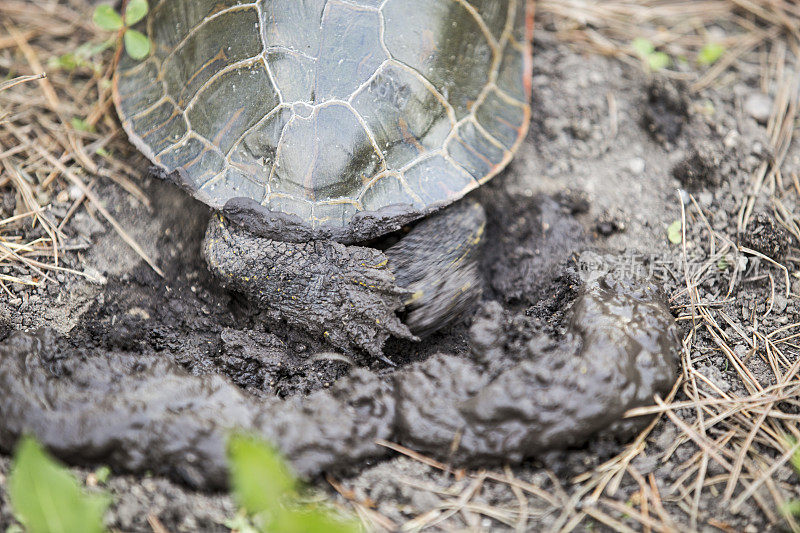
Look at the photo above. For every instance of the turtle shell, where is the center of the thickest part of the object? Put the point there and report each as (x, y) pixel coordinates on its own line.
(339, 119)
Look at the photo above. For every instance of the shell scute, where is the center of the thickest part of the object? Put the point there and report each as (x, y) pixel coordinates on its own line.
(429, 36)
(435, 180)
(406, 118)
(203, 55)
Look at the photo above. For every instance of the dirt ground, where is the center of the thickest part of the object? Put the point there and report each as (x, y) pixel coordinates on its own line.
(625, 154)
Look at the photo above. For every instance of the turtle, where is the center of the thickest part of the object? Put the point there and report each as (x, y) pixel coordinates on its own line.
(337, 142)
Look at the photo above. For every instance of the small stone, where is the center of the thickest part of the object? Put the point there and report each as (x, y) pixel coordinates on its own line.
(780, 303)
(422, 500)
(758, 106)
(75, 193)
(94, 275)
(732, 139)
(138, 312)
(637, 165)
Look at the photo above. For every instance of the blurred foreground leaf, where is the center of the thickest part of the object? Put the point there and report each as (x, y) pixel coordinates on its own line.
(265, 487)
(46, 498)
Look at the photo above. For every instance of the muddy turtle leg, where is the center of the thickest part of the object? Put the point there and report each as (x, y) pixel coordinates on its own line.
(351, 294)
(438, 261)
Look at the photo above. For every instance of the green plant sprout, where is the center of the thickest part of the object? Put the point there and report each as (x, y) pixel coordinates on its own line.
(80, 124)
(46, 498)
(137, 44)
(646, 50)
(83, 57)
(269, 494)
(675, 232)
(710, 54)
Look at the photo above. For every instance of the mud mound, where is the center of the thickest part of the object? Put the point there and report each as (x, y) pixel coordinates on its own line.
(560, 361)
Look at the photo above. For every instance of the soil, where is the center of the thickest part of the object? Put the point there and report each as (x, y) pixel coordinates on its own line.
(591, 175)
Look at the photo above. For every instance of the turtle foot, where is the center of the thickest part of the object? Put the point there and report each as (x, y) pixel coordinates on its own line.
(438, 262)
(346, 294)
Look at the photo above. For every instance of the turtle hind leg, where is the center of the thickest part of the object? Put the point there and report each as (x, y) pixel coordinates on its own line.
(438, 263)
(345, 294)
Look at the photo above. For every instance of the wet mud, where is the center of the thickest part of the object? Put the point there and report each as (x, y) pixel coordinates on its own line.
(157, 374)
(143, 413)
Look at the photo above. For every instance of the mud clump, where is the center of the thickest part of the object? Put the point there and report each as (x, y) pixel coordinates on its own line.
(666, 111)
(700, 169)
(133, 412)
(528, 239)
(143, 413)
(766, 236)
(619, 349)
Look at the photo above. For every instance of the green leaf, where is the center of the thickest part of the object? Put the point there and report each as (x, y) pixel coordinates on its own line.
(90, 50)
(102, 474)
(137, 44)
(106, 18)
(710, 54)
(266, 489)
(136, 11)
(658, 61)
(674, 232)
(792, 507)
(643, 47)
(259, 476)
(722, 264)
(46, 498)
(81, 125)
(81, 57)
(647, 51)
(68, 62)
(791, 442)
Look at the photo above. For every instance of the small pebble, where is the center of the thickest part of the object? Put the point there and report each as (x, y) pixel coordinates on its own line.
(637, 165)
(732, 139)
(780, 303)
(139, 313)
(94, 275)
(75, 193)
(758, 106)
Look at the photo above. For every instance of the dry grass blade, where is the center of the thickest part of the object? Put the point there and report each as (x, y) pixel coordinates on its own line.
(20, 79)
